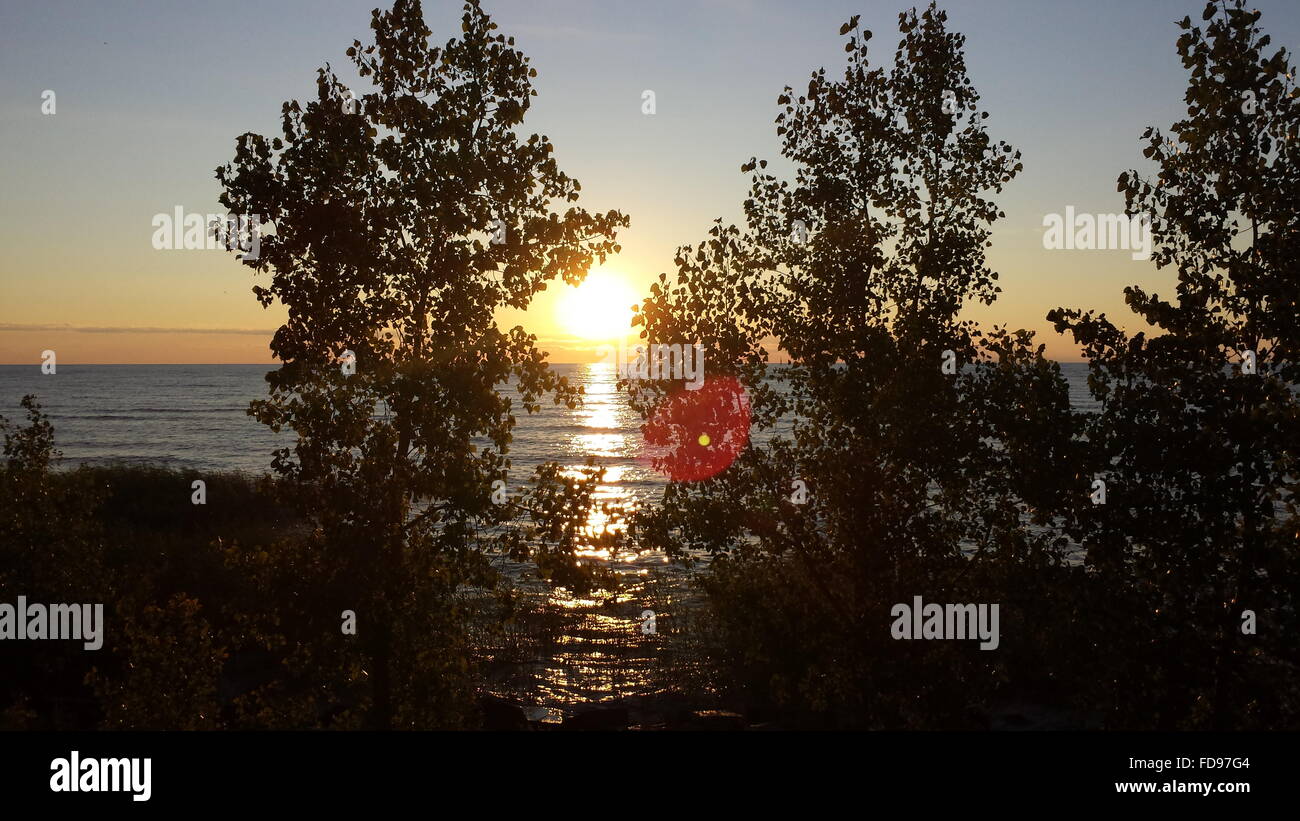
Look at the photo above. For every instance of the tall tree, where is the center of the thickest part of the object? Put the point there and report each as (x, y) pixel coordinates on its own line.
(1198, 434)
(911, 461)
(403, 219)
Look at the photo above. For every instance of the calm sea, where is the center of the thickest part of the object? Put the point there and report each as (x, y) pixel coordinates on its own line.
(193, 416)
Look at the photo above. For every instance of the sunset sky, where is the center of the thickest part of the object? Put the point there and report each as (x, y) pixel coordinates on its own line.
(151, 96)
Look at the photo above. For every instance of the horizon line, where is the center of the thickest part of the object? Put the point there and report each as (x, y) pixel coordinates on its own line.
(275, 365)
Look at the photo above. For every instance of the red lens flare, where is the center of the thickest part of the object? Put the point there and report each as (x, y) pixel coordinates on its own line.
(693, 435)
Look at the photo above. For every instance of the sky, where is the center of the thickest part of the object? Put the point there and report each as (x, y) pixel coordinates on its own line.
(150, 96)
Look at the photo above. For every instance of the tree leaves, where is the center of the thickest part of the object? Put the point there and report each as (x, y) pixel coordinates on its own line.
(1195, 440)
(388, 247)
(857, 267)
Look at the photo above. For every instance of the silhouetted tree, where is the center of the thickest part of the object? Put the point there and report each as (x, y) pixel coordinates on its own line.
(51, 550)
(1197, 438)
(919, 479)
(403, 219)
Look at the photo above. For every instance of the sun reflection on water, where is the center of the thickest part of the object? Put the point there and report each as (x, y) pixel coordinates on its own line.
(598, 652)
(604, 410)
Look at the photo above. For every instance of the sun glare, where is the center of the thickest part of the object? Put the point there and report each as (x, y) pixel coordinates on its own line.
(598, 309)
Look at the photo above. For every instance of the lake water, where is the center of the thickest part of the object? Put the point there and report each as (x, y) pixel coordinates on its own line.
(193, 417)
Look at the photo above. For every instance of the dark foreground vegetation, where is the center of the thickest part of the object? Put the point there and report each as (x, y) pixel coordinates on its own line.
(928, 456)
(981, 484)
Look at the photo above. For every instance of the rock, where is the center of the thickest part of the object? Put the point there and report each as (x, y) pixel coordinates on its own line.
(600, 718)
(1029, 716)
(714, 720)
(499, 714)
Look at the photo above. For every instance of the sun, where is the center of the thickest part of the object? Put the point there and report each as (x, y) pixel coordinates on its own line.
(598, 309)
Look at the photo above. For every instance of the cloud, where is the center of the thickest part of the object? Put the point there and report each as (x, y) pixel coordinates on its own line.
(91, 329)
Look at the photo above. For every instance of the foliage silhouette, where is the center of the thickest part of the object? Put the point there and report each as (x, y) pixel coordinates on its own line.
(51, 550)
(969, 483)
(1199, 455)
(919, 481)
(404, 217)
